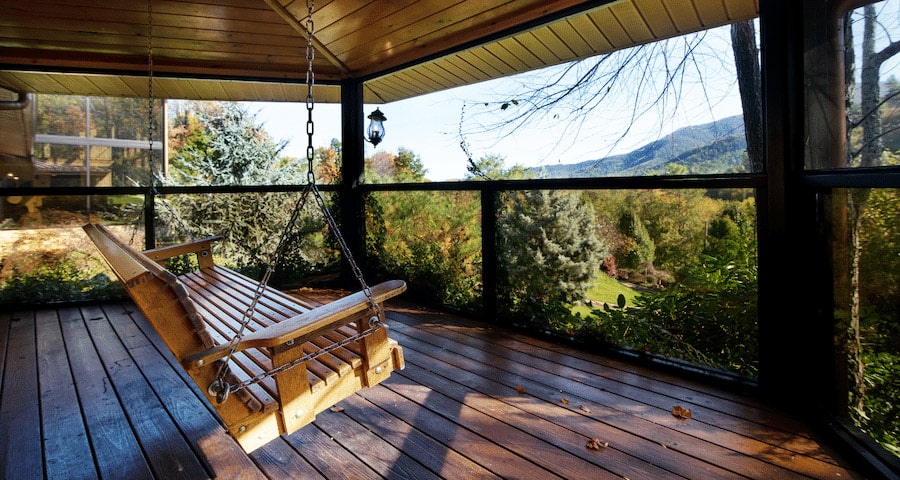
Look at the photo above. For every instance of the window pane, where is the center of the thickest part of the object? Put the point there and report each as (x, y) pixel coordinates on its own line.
(251, 143)
(46, 257)
(432, 240)
(252, 225)
(852, 100)
(868, 313)
(860, 131)
(665, 272)
(667, 108)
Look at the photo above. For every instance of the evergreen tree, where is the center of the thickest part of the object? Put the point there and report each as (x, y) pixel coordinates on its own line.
(548, 252)
(222, 144)
(226, 146)
(637, 248)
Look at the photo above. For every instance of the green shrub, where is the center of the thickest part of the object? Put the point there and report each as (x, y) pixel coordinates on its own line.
(61, 282)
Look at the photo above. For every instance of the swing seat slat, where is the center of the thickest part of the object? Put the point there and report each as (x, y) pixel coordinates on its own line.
(199, 312)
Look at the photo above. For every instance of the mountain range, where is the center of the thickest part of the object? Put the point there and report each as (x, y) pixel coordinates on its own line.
(715, 147)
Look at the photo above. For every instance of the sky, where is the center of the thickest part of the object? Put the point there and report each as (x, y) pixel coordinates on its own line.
(428, 125)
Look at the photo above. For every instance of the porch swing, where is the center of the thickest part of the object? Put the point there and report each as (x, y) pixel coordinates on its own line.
(266, 361)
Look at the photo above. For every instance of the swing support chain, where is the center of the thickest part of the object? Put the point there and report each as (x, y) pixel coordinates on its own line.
(220, 388)
(298, 361)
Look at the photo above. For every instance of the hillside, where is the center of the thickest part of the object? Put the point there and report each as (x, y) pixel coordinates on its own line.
(716, 147)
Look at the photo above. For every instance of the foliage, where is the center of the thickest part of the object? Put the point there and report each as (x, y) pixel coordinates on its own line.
(432, 239)
(222, 144)
(405, 166)
(548, 251)
(880, 258)
(617, 325)
(881, 417)
(638, 248)
(328, 163)
(708, 317)
(62, 281)
(252, 225)
(880, 324)
(713, 311)
(713, 307)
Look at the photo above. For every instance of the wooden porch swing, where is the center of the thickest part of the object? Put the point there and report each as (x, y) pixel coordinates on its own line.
(266, 361)
(294, 361)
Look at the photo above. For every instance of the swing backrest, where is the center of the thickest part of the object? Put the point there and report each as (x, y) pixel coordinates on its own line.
(158, 293)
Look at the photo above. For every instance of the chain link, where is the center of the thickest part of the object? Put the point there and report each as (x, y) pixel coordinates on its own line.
(310, 100)
(152, 125)
(150, 75)
(221, 388)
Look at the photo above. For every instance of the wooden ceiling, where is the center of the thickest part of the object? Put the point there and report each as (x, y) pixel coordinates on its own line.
(256, 49)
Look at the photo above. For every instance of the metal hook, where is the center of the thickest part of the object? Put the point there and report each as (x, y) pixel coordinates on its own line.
(220, 390)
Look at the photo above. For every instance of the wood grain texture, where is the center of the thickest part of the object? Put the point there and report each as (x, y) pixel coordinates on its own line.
(228, 49)
(455, 412)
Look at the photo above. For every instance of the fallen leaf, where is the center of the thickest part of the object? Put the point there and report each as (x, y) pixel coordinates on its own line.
(681, 412)
(565, 401)
(596, 444)
(521, 389)
(337, 409)
(585, 409)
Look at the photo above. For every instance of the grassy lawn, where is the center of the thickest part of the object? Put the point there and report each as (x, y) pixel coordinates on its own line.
(606, 289)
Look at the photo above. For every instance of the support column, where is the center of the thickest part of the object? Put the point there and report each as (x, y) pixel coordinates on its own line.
(489, 198)
(351, 200)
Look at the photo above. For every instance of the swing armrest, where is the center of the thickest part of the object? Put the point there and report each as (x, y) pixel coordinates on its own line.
(162, 254)
(301, 328)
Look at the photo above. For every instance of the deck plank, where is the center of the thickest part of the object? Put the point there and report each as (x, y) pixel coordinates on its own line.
(21, 449)
(567, 427)
(779, 430)
(408, 438)
(723, 432)
(552, 443)
(378, 454)
(219, 452)
(64, 430)
(455, 412)
(168, 453)
(277, 459)
(114, 444)
(327, 455)
(472, 440)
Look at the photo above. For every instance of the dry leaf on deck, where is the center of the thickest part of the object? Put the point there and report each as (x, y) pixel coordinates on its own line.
(585, 409)
(337, 409)
(681, 412)
(565, 401)
(521, 389)
(596, 444)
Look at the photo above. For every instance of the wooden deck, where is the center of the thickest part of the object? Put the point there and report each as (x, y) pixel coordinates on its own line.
(91, 392)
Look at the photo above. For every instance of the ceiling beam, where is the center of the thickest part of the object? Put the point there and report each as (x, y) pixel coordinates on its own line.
(301, 28)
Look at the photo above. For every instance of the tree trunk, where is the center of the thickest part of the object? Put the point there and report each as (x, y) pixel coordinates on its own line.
(746, 62)
(870, 154)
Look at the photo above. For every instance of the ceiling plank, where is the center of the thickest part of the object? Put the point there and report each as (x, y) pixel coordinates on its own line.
(301, 27)
(197, 44)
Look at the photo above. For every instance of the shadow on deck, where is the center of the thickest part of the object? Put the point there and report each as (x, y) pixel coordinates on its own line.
(91, 392)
